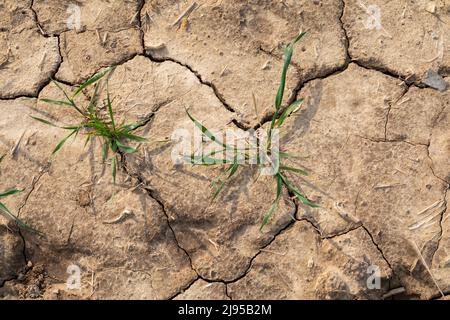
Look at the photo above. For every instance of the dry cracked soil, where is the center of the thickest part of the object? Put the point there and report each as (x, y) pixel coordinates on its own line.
(373, 133)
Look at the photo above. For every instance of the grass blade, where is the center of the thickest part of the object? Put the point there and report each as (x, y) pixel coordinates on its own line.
(90, 81)
(71, 102)
(45, 121)
(91, 108)
(88, 138)
(296, 170)
(6, 213)
(125, 148)
(297, 193)
(205, 160)
(132, 136)
(287, 60)
(231, 171)
(114, 169)
(61, 143)
(113, 146)
(288, 155)
(130, 127)
(274, 203)
(205, 131)
(105, 148)
(9, 192)
(108, 99)
(57, 102)
(63, 91)
(289, 110)
(297, 39)
(288, 51)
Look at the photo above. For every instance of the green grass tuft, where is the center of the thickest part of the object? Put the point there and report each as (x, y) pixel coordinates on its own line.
(277, 121)
(97, 120)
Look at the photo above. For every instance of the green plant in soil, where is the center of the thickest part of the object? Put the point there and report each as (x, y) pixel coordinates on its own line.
(97, 120)
(4, 211)
(233, 164)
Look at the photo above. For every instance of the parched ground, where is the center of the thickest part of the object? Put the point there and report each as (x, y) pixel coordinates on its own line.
(374, 133)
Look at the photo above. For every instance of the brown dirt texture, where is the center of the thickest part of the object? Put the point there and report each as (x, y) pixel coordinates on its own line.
(373, 133)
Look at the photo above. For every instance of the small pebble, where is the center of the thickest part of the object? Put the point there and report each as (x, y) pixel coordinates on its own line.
(431, 7)
(435, 81)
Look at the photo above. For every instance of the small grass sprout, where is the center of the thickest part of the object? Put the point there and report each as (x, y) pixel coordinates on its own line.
(281, 172)
(97, 120)
(4, 211)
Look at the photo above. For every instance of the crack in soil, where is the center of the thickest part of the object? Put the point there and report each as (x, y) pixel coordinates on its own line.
(390, 104)
(155, 197)
(36, 21)
(33, 185)
(139, 25)
(197, 74)
(441, 220)
(379, 250)
(346, 39)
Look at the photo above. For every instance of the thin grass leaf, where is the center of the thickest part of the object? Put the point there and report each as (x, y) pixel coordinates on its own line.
(91, 101)
(62, 90)
(9, 192)
(288, 51)
(108, 99)
(297, 193)
(88, 138)
(113, 146)
(57, 102)
(218, 190)
(61, 143)
(71, 101)
(205, 160)
(130, 127)
(296, 170)
(274, 203)
(289, 110)
(6, 213)
(105, 148)
(2, 157)
(288, 155)
(73, 127)
(55, 125)
(125, 148)
(255, 106)
(206, 132)
(45, 121)
(90, 81)
(231, 171)
(114, 169)
(287, 60)
(297, 39)
(132, 137)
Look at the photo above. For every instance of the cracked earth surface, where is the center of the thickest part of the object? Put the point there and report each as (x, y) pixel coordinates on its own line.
(373, 136)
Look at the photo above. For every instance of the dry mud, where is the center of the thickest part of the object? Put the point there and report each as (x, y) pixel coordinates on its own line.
(372, 133)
